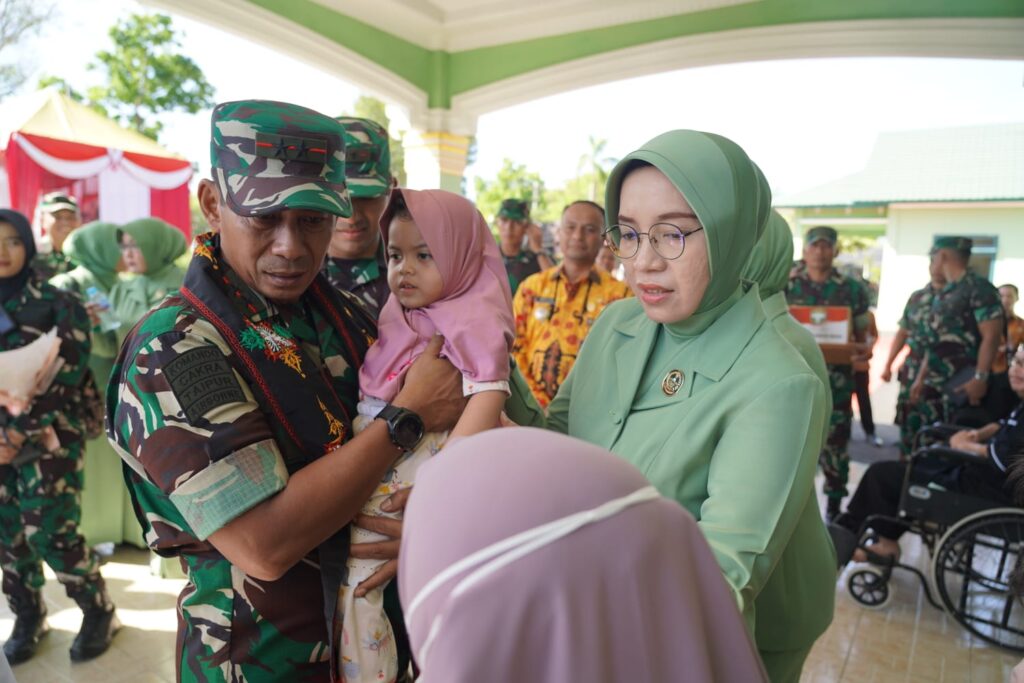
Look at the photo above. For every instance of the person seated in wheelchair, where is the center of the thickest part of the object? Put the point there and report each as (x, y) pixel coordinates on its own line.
(997, 446)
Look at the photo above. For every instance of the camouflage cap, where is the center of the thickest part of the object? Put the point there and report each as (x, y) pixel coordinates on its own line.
(821, 232)
(268, 156)
(367, 157)
(514, 209)
(961, 244)
(58, 201)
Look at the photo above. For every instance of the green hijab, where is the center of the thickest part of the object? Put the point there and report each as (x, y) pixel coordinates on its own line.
(772, 258)
(160, 243)
(728, 193)
(94, 247)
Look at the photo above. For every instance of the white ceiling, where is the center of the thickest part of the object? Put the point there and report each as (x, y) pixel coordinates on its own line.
(457, 25)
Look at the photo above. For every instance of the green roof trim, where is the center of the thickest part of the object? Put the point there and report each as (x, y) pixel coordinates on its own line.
(442, 75)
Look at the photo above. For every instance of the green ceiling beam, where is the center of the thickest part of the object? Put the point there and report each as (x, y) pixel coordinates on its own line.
(442, 75)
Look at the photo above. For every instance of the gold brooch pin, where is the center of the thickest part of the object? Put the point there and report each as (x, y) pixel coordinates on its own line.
(672, 383)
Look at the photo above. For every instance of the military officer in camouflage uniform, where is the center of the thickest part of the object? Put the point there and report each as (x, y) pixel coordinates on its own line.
(912, 415)
(963, 333)
(231, 405)
(816, 282)
(59, 216)
(514, 224)
(355, 261)
(41, 460)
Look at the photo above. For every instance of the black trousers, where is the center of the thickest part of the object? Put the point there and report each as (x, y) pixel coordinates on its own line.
(860, 386)
(879, 490)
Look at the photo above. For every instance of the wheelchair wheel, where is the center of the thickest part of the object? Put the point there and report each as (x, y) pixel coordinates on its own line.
(870, 587)
(971, 570)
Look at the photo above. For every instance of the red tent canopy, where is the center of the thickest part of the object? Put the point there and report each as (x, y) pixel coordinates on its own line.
(117, 175)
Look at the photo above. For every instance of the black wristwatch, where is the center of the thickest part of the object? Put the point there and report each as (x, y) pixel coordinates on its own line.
(405, 428)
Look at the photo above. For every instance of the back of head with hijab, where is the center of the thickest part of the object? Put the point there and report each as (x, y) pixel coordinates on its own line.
(772, 258)
(627, 591)
(94, 247)
(10, 286)
(726, 190)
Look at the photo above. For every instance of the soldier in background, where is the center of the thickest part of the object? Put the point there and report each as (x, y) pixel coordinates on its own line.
(513, 225)
(59, 217)
(816, 282)
(963, 333)
(911, 416)
(355, 260)
(41, 462)
(231, 405)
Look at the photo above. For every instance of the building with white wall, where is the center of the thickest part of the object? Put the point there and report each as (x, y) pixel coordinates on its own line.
(918, 184)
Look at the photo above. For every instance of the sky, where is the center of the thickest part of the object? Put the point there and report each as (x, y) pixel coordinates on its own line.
(805, 122)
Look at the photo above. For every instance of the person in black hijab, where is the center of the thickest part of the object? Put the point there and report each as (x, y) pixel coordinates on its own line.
(41, 460)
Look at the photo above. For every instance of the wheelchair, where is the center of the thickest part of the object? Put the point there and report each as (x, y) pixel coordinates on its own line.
(974, 544)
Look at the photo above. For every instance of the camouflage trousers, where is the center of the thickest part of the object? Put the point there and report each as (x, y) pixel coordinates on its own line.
(911, 418)
(40, 507)
(835, 456)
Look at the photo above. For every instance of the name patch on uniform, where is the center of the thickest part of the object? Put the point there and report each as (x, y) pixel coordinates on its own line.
(201, 379)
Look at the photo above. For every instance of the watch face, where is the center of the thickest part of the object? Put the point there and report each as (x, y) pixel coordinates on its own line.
(408, 431)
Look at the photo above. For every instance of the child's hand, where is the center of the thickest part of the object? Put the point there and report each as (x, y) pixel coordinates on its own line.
(382, 550)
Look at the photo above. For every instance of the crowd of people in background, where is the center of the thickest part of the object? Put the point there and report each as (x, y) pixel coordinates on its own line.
(276, 397)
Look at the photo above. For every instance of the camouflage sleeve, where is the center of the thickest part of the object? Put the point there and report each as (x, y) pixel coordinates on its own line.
(859, 302)
(985, 302)
(188, 423)
(75, 344)
(908, 308)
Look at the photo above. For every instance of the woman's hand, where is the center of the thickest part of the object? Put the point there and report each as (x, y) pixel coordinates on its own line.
(963, 439)
(887, 374)
(382, 550)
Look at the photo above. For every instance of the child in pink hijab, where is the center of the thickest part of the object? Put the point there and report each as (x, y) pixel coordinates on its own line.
(446, 277)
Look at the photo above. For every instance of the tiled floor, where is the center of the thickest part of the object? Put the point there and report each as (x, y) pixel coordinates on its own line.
(908, 641)
(143, 651)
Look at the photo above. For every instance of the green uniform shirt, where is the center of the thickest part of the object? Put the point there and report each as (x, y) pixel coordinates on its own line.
(366, 278)
(50, 264)
(199, 452)
(953, 335)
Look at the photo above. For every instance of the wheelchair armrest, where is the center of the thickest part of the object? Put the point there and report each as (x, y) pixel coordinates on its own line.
(947, 453)
(942, 430)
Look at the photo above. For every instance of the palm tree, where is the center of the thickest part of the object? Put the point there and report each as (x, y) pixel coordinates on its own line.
(596, 165)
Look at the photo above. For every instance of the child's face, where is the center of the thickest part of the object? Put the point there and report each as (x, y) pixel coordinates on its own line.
(412, 274)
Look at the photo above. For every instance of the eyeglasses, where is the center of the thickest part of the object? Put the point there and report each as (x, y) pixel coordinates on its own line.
(12, 242)
(667, 240)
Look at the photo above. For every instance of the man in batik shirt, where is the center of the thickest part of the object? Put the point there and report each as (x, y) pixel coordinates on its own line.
(556, 308)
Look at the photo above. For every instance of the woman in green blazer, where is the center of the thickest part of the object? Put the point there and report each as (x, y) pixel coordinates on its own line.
(769, 267)
(689, 382)
(150, 247)
(94, 251)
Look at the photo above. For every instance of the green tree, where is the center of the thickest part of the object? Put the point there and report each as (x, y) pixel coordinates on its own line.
(367, 107)
(70, 91)
(146, 75)
(513, 181)
(593, 165)
(18, 19)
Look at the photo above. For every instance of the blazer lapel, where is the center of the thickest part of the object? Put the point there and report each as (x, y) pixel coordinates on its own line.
(631, 356)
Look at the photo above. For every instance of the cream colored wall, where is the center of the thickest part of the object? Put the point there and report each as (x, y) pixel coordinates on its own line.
(909, 237)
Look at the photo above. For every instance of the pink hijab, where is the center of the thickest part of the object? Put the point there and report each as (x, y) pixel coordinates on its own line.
(474, 312)
(636, 596)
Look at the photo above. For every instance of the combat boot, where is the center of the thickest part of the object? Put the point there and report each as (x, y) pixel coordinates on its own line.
(29, 626)
(99, 624)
